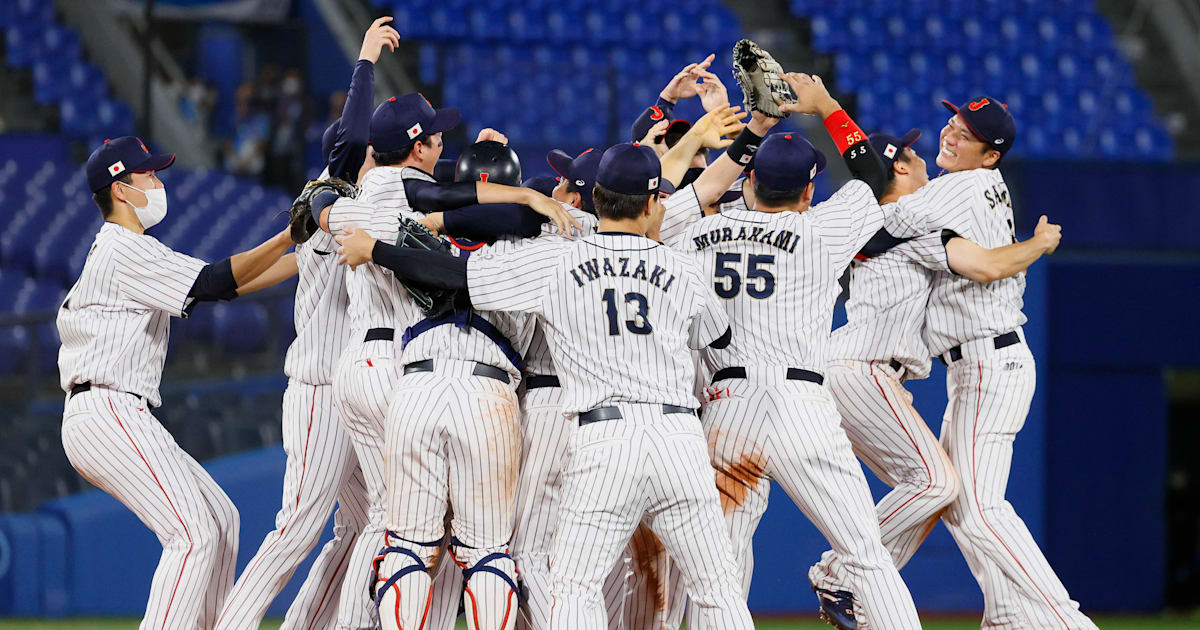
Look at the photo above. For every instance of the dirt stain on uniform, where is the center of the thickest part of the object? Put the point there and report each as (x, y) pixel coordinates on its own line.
(647, 551)
(737, 478)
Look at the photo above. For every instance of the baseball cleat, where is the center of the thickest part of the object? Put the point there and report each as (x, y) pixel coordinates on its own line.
(837, 608)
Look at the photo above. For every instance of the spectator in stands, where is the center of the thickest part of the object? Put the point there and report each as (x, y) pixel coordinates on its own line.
(292, 111)
(245, 154)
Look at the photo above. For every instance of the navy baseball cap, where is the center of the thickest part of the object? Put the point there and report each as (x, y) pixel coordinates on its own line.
(890, 148)
(120, 156)
(630, 168)
(675, 131)
(398, 121)
(989, 120)
(648, 118)
(580, 170)
(328, 138)
(787, 161)
(542, 183)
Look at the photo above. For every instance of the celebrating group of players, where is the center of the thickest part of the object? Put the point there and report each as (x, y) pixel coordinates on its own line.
(567, 414)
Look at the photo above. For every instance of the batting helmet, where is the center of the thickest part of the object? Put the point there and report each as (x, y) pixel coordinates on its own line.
(489, 161)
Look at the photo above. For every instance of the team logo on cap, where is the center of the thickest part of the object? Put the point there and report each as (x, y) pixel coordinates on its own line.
(998, 141)
(414, 131)
(977, 105)
(652, 183)
(116, 168)
(890, 151)
(812, 173)
(655, 113)
(580, 182)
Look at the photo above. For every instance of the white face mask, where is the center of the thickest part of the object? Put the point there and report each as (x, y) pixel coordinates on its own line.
(154, 210)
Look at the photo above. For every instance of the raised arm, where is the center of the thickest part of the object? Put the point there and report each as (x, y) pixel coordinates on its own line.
(350, 142)
(711, 132)
(970, 260)
(724, 170)
(852, 143)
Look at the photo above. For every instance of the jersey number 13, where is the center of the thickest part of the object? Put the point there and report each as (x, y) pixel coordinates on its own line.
(638, 324)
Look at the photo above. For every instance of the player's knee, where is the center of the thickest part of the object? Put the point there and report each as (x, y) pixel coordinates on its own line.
(204, 537)
(945, 486)
(401, 586)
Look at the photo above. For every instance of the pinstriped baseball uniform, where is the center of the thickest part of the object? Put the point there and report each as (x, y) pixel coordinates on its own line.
(619, 312)
(990, 377)
(776, 274)
(680, 211)
(636, 591)
(879, 347)
(114, 326)
(321, 468)
(366, 374)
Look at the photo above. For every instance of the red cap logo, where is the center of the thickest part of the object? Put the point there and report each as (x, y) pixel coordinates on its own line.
(655, 113)
(977, 105)
(143, 145)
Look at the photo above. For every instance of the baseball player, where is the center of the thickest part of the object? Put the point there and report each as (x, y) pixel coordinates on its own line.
(768, 415)
(406, 143)
(613, 299)
(975, 328)
(321, 465)
(879, 348)
(114, 324)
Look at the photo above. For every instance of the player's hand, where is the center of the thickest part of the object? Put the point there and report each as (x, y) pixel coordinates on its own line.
(683, 84)
(434, 222)
(657, 130)
(487, 133)
(547, 207)
(761, 123)
(713, 94)
(378, 36)
(356, 247)
(811, 95)
(717, 128)
(1048, 234)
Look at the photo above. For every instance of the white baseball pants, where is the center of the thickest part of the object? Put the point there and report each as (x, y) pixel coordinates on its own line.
(321, 470)
(652, 466)
(766, 427)
(114, 441)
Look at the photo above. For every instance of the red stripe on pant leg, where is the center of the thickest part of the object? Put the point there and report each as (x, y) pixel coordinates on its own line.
(979, 506)
(171, 503)
(295, 513)
(928, 471)
(321, 603)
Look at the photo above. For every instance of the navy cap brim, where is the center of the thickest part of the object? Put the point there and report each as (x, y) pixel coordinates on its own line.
(908, 139)
(728, 196)
(954, 108)
(820, 165)
(665, 186)
(445, 119)
(560, 162)
(154, 163)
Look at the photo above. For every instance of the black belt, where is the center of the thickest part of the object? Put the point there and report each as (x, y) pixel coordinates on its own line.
(1010, 338)
(536, 381)
(613, 413)
(481, 369)
(793, 374)
(380, 334)
(896, 365)
(87, 387)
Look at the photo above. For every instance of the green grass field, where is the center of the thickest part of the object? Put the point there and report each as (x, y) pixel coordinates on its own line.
(1105, 623)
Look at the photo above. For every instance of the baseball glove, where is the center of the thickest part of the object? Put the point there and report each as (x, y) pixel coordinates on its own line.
(301, 221)
(414, 235)
(761, 78)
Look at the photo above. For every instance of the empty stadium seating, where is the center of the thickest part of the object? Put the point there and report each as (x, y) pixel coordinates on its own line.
(1054, 62)
(33, 39)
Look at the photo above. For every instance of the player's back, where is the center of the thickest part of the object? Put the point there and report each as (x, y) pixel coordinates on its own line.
(777, 275)
(619, 311)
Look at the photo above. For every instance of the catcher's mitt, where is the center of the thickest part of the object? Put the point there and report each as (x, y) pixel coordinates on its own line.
(414, 235)
(761, 78)
(301, 221)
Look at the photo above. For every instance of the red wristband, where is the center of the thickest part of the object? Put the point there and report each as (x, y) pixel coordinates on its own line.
(845, 132)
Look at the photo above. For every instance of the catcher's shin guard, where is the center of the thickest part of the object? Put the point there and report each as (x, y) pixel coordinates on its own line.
(492, 594)
(402, 587)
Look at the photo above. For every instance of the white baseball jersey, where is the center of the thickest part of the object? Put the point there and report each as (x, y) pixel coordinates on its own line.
(114, 322)
(974, 204)
(376, 298)
(322, 324)
(781, 269)
(538, 359)
(598, 287)
(885, 313)
(681, 210)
